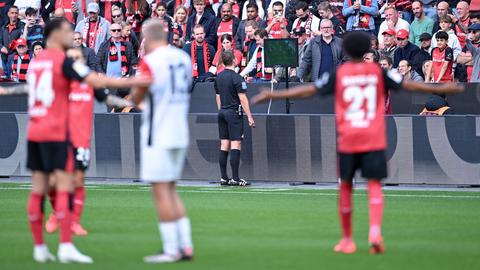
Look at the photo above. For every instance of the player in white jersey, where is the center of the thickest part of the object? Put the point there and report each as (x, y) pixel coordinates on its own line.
(163, 83)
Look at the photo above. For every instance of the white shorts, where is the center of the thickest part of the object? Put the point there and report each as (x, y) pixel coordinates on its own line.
(162, 165)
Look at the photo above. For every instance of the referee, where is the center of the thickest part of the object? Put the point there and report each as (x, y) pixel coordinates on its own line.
(232, 102)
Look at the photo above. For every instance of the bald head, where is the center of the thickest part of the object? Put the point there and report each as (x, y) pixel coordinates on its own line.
(442, 9)
(463, 10)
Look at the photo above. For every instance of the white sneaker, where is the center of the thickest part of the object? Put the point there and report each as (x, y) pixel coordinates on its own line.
(68, 253)
(162, 258)
(41, 254)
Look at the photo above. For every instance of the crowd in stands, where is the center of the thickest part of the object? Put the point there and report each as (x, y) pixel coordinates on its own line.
(426, 40)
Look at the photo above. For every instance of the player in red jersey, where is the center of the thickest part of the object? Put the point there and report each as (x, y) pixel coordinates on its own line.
(49, 150)
(360, 90)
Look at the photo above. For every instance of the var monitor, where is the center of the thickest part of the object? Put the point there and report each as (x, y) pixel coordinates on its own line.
(281, 52)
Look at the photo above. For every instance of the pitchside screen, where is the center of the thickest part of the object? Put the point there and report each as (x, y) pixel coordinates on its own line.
(281, 52)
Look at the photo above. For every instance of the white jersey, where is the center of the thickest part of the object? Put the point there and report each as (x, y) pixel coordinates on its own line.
(165, 123)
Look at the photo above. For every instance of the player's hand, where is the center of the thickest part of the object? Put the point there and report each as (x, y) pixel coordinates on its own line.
(251, 122)
(356, 5)
(452, 88)
(261, 97)
(390, 24)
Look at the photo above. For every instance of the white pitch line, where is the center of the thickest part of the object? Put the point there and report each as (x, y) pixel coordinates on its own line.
(274, 193)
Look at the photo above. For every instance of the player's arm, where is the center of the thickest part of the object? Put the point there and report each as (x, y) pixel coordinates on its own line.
(219, 102)
(138, 94)
(19, 89)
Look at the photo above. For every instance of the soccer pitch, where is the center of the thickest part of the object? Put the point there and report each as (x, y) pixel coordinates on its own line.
(249, 228)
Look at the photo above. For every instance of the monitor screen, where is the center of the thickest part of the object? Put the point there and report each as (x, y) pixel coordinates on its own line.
(281, 52)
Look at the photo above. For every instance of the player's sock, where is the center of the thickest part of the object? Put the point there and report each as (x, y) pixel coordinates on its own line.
(185, 233)
(222, 160)
(78, 202)
(375, 206)
(51, 197)
(64, 215)
(345, 208)
(235, 163)
(35, 217)
(168, 231)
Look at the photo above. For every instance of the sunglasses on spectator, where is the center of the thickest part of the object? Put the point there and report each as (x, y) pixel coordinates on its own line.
(401, 39)
(21, 46)
(116, 30)
(116, 16)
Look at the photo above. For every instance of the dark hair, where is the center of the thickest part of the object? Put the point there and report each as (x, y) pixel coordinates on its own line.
(375, 54)
(301, 5)
(30, 11)
(324, 6)
(356, 44)
(261, 33)
(252, 5)
(227, 58)
(52, 26)
(406, 61)
(447, 19)
(161, 4)
(420, 2)
(441, 35)
(386, 58)
(277, 3)
(15, 7)
(227, 37)
(37, 43)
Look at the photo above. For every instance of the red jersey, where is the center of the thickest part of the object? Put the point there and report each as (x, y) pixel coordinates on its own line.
(462, 37)
(276, 30)
(224, 28)
(80, 115)
(438, 58)
(360, 90)
(49, 80)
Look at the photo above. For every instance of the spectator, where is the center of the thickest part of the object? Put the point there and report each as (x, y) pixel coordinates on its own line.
(227, 24)
(18, 62)
(10, 32)
(32, 32)
(446, 26)
(424, 54)
(94, 29)
(249, 45)
(136, 11)
(115, 56)
(442, 60)
(130, 36)
(4, 6)
(277, 23)
(260, 8)
(426, 68)
(360, 14)
(201, 52)
(406, 50)
(37, 48)
(227, 45)
(442, 11)
(472, 44)
(421, 24)
(106, 7)
(436, 106)
(325, 11)
(371, 56)
(24, 4)
(177, 40)
(392, 21)
(374, 43)
(389, 43)
(252, 15)
(386, 63)
(117, 15)
(430, 9)
(405, 68)
(323, 54)
(180, 21)
(88, 53)
(161, 13)
(205, 19)
(305, 19)
(461, 22)
(404, 7)
(256, 63)
(235, 8)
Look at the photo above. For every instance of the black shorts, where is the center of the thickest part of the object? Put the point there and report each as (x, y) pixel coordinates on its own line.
(230, 125)
(373, 165)
(82, 158)
(50, 156)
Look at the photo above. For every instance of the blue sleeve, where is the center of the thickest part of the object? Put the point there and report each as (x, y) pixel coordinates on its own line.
(372, 9)
(347, 10)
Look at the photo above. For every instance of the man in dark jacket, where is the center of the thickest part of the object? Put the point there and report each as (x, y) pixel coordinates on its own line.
(89, 54)
(115, 56)
(201, 54)
(406, 50)
(206, 19)
(4, 6)
(227, 24)
(252, 14)
(323, 54)
(10, 32)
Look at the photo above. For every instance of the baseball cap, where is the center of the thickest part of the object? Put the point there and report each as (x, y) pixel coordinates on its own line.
(474, 27)
(390, 32)
(20, 41)
(93, 7)
(426, 36)
(402, 33)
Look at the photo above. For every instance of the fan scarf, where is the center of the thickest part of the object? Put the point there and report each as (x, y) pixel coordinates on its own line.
(206, 58)
(261, 73)
(307, 26)
(113, 55)
(90, 41)
(245, 55)
(364, 18)
(22, 76)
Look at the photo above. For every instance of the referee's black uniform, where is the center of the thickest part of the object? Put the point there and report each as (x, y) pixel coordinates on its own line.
(230, 116)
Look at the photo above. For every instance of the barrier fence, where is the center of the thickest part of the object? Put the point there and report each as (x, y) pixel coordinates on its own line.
(286, 148)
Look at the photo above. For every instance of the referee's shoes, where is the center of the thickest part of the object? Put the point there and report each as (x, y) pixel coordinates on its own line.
(239, 182)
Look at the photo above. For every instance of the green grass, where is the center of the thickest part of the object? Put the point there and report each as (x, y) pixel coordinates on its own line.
(250, 229)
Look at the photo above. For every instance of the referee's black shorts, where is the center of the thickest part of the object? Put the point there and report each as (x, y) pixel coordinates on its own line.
(230, 125)
(372, 164)
(50, 156)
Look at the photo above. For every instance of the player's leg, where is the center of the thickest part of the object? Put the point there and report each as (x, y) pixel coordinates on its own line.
(235, 128)
(35, 207)
(184, 228)
(347, 164)
(224, 147)
(51, 225)
(78, 202)
(374, 168)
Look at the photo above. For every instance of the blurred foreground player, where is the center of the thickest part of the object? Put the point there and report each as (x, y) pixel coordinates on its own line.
(80, 121)
(359, 90)
(164, 81)
(49, 150)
